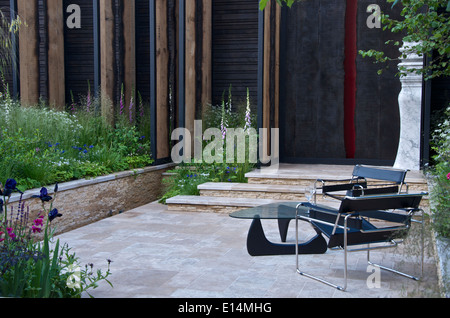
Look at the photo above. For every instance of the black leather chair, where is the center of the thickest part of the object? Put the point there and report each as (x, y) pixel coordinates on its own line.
(352, 225)
(365, 180)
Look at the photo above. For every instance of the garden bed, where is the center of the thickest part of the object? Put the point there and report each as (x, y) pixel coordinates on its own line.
(86, 201)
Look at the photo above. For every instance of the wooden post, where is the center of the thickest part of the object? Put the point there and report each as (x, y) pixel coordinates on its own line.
(266, 77)
(271, 70)
(107, 59)
(28, 48)
(190, 92)
(207, 54)
(277, 65)
(129, 63)
(56, 76)
(162, 81)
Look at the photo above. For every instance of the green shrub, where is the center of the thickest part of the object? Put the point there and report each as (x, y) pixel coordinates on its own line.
(440, 193)
(40, 146)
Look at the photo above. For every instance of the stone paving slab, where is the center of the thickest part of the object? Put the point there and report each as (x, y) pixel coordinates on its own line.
(158, 253)
(315, 171)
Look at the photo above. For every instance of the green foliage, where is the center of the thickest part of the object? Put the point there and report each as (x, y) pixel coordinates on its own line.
(441, 171)
(40, 146)
(7, 28)
(289, 3)
(43, 269)
(188, 176)
(426, 26)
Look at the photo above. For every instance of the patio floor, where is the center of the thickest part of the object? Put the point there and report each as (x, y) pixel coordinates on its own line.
(158, 253)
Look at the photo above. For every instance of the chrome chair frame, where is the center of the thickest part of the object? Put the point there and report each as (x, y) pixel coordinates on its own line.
(358, 181)
(347, 215)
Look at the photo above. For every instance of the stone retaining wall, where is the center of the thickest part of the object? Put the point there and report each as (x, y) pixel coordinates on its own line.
(85, 201)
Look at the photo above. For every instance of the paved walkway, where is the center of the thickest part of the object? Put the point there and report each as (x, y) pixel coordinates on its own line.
(168, 254)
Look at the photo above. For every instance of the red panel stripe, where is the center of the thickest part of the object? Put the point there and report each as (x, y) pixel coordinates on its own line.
(350, 77)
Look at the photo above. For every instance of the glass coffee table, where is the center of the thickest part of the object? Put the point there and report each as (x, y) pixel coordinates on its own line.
(284, 213)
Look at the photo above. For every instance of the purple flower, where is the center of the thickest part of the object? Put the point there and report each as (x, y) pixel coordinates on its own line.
(53, 215)
(10, 186)
(130, 110)
(36, 229)
(38, 224)
(121, 102)
(141, 107)
(88, 102)
(43, 195)
(39, 221)
(448, 176)
(11, 234)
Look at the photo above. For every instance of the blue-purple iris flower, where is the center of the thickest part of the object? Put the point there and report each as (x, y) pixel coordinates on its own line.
(43, 195)
(10, 186)
(54, 214)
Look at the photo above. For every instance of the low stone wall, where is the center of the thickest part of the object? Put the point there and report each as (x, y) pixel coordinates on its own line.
(85, 201)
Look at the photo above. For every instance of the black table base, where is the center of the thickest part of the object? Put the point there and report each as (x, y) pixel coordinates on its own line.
(259, 245)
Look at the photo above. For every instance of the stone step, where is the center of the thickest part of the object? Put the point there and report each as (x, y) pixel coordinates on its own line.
(304, 175)
(261, 191)
(255, 191)
(268, 185)
(192, 203)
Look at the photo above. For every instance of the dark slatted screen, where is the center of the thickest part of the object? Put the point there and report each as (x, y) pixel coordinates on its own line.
(7, 70)
(377, 117)
(79, 51)
(312, 81)
(143, 49)
(440, 93)
(43, 50)
(312, 87)
(235, 48)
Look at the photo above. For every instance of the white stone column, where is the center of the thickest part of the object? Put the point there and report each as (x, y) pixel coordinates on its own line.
(410, 103)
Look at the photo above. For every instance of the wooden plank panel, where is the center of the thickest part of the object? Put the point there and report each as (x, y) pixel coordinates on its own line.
(190, 63)
(162, 82)
(129, 53)
(207, 53)
(107, 58)
(28, 45)
(56, 75)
